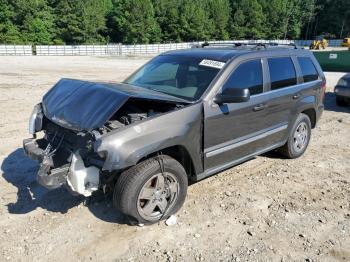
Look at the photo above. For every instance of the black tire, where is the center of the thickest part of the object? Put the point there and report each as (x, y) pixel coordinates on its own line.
(289, 150)
(129, 185)
(340, 101)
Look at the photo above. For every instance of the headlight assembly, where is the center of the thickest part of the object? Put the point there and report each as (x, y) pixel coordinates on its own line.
(36, 120)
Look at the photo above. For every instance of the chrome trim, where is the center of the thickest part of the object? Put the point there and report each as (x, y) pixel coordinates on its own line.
(234, 144)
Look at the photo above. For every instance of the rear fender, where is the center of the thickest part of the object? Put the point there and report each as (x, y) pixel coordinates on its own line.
(306, 103)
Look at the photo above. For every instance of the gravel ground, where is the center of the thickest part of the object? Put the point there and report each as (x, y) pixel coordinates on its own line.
(267, 209)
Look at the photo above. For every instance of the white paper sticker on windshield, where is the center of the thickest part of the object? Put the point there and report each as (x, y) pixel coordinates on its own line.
(212, 63)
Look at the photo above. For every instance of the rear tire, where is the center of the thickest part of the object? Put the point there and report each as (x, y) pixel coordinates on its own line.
(146, 194)
(298, 139)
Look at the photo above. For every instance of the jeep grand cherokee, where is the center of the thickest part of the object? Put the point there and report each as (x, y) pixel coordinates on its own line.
(183, 116)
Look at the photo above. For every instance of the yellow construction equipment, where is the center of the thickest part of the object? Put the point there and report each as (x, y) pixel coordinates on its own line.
(346, 42)
(319, 44)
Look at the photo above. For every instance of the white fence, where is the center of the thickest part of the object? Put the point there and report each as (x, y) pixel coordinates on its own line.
(77, 50)
(20, 50)
(149, 49)
(107, 50)
(120, 50)
(153, 48)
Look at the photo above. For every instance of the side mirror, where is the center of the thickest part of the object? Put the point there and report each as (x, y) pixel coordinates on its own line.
(232, 95)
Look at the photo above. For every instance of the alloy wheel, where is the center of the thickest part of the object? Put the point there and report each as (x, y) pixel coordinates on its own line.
(157, 196)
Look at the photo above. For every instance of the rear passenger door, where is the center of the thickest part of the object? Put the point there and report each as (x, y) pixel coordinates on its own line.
(284, 92)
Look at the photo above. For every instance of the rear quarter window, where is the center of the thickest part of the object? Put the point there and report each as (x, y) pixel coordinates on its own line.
(308, 69)
(282, 72)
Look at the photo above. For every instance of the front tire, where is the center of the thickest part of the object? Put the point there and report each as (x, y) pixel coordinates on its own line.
(299, 138)
(152, 190)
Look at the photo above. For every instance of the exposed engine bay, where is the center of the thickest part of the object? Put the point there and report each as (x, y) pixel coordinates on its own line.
(136, 110)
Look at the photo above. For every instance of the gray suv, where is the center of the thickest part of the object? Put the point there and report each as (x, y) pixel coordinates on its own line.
(183, 116)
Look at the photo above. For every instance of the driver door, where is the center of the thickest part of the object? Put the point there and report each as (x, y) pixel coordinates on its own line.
(235, 131)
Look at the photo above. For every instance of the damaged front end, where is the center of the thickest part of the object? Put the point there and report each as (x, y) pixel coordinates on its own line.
(72, 120)
(66, 158)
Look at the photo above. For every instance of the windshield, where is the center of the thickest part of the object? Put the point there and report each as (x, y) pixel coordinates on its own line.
(179, 76)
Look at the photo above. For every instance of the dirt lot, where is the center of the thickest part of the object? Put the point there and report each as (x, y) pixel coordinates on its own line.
(268, 209)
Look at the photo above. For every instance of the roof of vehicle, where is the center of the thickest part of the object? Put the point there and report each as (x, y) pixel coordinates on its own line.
(225, 53)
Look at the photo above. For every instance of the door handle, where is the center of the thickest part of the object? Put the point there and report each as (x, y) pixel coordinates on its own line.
(259, 107)
(296, 96)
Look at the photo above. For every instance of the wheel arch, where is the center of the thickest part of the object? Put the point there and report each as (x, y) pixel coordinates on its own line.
(311, 113)
(180, 154)
(307, 106)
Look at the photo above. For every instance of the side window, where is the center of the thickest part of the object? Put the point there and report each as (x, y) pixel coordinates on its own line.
(247, 75)
(282, 72)
(308, 69)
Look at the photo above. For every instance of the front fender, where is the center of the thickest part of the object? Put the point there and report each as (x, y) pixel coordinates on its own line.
(124, 148)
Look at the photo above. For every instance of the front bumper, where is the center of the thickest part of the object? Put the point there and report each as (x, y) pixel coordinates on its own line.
(59, 167)
(53, 169)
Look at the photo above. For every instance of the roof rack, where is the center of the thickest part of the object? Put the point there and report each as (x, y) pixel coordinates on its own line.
(250, 45)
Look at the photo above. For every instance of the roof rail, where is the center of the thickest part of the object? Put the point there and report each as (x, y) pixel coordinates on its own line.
(251, 45)
(284, 45)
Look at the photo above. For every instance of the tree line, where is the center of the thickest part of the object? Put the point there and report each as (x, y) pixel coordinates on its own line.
(160, 21)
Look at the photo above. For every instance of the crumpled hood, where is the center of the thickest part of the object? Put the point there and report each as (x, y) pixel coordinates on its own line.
(82, 105)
